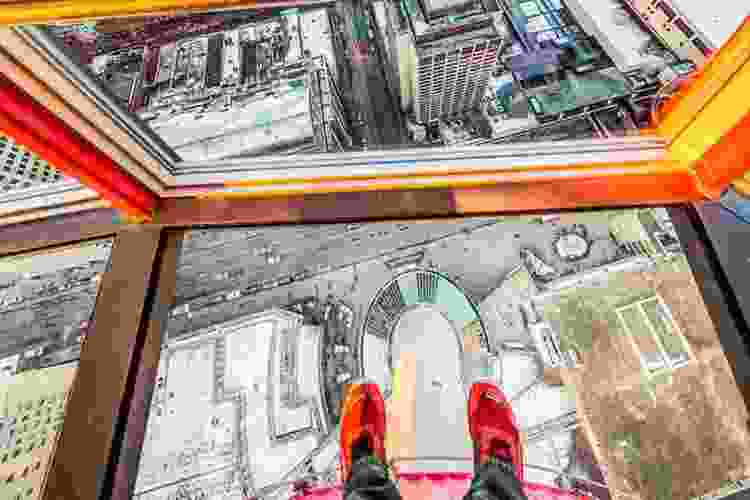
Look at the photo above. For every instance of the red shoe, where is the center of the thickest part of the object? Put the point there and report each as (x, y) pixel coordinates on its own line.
(362, 424)
(493, 428)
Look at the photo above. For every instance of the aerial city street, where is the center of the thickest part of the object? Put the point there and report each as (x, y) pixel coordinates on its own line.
(46, 303)
(578, 316)
(363, 74)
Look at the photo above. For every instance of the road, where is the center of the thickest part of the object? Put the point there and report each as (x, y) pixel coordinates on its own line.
(384, 125)
(38, 320)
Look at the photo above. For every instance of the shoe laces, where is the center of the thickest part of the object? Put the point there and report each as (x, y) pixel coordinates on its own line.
(500, 451)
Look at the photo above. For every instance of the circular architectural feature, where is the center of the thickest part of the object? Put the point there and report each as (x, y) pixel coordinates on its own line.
(416, 290)
(572, 244)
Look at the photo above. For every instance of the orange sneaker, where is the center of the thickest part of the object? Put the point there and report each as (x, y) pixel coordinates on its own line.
(493, 428)
(362, 424)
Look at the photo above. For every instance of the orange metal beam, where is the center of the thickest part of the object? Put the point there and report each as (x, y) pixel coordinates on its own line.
(35, 127)
(554, 192)
(61, 162)
(681, 112)
(742, 186)
(50, 88)
(726, 161)
(707, 125)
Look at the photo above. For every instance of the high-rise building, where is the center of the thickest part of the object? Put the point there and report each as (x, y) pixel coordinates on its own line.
(261, 86)
(456, 47)
(20, 169)
(299, 111)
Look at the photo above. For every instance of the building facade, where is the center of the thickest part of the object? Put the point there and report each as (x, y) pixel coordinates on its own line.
(456, 47)
(235, 87)
(236, 407)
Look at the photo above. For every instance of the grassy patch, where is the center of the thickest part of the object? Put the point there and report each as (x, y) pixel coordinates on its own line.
(580, 313)
(656, 477)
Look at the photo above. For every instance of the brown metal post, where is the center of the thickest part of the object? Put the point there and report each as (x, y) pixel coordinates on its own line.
(80, 467)
(125, 467)
(58, 231)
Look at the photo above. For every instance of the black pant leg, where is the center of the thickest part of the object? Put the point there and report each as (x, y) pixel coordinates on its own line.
(370, 481)
(495, 482)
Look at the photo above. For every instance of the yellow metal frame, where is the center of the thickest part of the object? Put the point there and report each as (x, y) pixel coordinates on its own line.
(714, 102)
(701, 119)
(742, 186)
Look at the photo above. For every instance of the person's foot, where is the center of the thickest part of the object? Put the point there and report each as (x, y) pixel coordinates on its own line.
(493, 429)
(362, 425)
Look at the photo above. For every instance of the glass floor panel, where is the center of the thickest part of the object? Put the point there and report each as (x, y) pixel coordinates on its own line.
(46, 302)
(270, 323)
